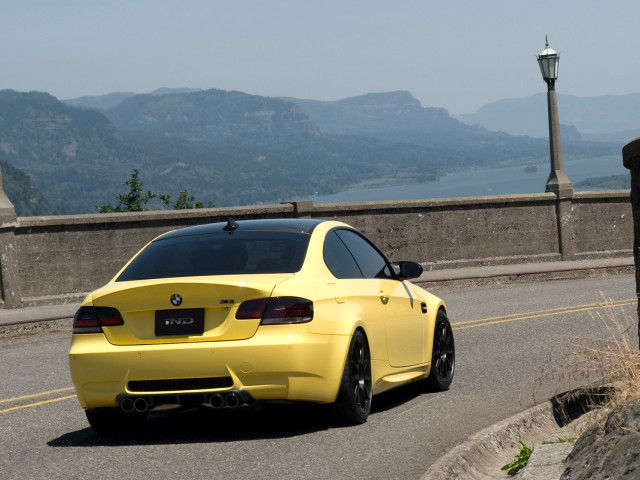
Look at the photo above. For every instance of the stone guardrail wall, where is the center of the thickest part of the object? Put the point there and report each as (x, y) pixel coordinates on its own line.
(47, 260)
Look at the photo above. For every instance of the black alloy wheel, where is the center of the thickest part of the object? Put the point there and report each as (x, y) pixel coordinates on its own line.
(354, 398)
(443, 358)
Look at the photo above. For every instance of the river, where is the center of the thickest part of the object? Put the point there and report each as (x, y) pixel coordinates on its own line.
(495, 181)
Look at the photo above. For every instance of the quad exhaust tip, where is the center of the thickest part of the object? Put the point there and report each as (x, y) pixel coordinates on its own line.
(130, 405)
(231, 400)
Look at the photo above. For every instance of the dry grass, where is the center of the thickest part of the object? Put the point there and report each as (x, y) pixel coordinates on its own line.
(607, 367)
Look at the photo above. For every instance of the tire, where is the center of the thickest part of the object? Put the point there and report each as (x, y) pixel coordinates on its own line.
(443, 357)
(111, 421)
(354, 397)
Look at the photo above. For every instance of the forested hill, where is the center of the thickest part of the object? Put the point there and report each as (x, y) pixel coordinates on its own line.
(395, 116)
(74, 157)
(240, 149)
(215, 117)
(26, 198)
(234, 149)
(243, 149)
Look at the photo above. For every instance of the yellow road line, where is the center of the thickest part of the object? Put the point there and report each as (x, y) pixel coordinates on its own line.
(557, 309)
(540, 313)
(36, 395)
(38, 403)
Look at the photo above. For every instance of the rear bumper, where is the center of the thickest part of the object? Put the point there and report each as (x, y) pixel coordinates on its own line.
(279, 362)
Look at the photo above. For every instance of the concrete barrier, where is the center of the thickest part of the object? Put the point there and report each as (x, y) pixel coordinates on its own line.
(49, 260)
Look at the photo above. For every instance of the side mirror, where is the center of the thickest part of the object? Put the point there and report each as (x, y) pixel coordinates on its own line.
(410, 270)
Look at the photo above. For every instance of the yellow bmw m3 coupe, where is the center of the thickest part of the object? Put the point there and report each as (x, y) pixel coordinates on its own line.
(237, 313)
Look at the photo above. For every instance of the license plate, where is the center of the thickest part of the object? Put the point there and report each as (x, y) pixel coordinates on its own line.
(186, 321)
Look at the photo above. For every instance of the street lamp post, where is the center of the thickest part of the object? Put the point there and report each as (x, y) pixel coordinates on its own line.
(558, 181)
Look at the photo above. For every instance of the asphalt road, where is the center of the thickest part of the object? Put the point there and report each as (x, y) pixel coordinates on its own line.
(506, 338)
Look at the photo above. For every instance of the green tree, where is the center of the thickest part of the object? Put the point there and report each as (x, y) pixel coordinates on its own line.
(136, 199)
(186, 202)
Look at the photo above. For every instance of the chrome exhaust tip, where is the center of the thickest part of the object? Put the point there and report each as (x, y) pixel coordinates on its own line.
(127, 405)
(231, 400)
(140, 405)
(216, 401)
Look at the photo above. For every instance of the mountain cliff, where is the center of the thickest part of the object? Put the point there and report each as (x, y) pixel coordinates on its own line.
(70, 154)
(213, 116)
(399, 117)
(27, 200)
(393, 116)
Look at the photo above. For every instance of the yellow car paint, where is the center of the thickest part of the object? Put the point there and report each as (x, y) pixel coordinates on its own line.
(301, 362)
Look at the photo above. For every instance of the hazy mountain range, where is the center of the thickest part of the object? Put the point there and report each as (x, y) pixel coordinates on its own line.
(234, 148)
(607, 118)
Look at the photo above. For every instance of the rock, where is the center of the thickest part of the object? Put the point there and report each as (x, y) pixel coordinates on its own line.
(609, 449)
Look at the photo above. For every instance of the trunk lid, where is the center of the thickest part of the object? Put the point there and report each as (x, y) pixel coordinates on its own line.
(206, 312)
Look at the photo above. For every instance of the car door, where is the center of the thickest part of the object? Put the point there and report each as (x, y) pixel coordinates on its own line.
(383, 299)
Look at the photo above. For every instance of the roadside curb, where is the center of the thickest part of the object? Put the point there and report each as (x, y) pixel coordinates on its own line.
(525, 272)
(485, 452)
(14, 318)
(30, 327)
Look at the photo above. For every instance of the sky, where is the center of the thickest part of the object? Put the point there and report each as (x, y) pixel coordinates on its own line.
(456, 54)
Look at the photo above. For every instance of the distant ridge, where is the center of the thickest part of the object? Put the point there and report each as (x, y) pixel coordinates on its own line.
(611, 118)
(100, 102)
(393, 116)
(603, 118)
(212, 116)
(110, 100)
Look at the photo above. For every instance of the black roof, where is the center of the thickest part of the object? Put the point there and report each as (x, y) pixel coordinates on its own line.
(293, 225)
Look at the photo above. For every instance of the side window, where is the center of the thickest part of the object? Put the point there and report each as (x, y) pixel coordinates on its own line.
(338, 258)
(370, 261)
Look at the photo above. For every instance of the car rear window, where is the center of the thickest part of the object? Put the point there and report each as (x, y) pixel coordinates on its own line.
(219, 254)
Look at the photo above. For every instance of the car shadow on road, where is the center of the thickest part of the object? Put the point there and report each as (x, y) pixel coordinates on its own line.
(397, 397)
(208, 425)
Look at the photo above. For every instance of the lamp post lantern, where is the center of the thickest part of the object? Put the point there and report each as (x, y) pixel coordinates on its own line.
(558, 181)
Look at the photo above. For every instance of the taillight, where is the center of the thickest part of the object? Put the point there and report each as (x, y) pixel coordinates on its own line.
(92, 319)
(252, 309)
(276, 310)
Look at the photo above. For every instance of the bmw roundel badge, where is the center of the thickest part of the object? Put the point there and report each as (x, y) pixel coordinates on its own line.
(176, 299)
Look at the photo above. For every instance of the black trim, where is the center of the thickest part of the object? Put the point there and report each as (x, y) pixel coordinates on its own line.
(300, 225)
(181, 384)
